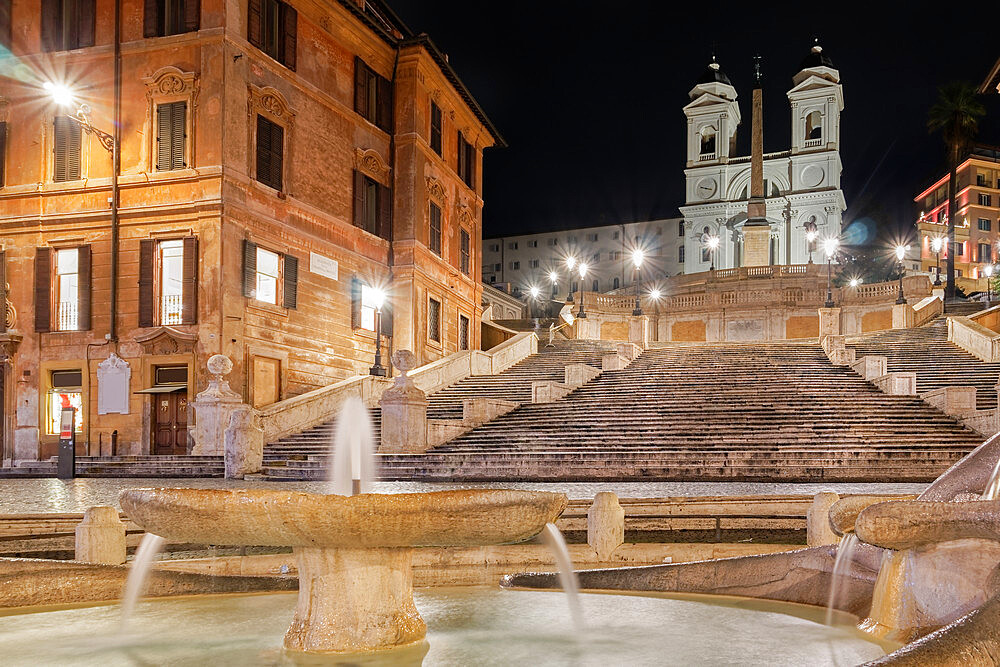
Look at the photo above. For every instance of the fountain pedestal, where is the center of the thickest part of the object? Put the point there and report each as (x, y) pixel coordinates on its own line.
(354, 600)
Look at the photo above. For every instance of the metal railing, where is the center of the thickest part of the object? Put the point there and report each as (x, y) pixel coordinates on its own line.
(171, 309)
(810, 143)
(68, 316)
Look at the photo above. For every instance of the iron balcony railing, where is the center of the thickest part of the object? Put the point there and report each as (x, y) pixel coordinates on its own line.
(171, 309)
(68, 316)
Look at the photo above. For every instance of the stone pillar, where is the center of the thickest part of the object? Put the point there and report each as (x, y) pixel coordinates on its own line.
(404, 411)
(902, 316)
(829, 322)
(588, 328)
(213, 408)
(818, 528)
(244, 442)
(605, 525)
(100, 537)
(638, 331)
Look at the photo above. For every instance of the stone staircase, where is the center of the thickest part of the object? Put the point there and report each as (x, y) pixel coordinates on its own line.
(125, 466)
(768, 411)
(926, 351)
(303, 455)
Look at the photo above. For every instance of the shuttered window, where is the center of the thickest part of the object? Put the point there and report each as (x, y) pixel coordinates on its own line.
(3, 151)
(463, 332)
(5, 6)
(270, 156)
(434, 320)
(66, 149)
(63, 277)
(466, 161)
(264, 270)
(372, 95)
(435, 230)
(67, 24)
(272, 26)
(464, 252)
(170, 17)
(168, 282)
(435, 128)
(171, 135)
(372, 206)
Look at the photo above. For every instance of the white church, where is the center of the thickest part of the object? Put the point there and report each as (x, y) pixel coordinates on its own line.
(801, 185)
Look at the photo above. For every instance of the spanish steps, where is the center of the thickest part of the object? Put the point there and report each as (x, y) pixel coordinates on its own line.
(513, 384)
(709, 411)
(926, 351)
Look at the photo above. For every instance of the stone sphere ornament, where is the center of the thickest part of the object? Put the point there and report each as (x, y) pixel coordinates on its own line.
(219, 364)
(404, 360)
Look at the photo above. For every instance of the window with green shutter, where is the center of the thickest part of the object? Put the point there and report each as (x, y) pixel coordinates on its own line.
(65, 149)
(171, 135)
(270, 154)
(435, 230)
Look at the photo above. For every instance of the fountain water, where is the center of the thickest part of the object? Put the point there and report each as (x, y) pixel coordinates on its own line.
(567, 576)
(352, 451)
(841, 568)
(149, 547)
(992, 490)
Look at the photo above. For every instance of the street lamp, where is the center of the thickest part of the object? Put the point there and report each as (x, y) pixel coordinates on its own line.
(637, 257)
(988, 270)
(810, 239)
(534, 293)
(377, 299)
(937, 244)
(830, 248)
(654, 294)
(582, 268)
(900, 254)
(62, 95)
(570, 263)
(712, 242)
(855, 282)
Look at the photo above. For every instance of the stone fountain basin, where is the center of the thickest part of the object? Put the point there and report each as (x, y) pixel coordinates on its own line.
(263, 517)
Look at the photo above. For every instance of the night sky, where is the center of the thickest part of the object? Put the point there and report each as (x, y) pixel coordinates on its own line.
(588, 96)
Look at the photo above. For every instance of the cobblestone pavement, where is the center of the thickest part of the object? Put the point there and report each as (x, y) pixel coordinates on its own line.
(29, 496)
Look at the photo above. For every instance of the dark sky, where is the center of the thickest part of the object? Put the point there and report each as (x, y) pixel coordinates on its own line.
(588, 95)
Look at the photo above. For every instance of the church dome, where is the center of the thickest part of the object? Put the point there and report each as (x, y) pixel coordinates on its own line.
(713, 74)
(816, 58)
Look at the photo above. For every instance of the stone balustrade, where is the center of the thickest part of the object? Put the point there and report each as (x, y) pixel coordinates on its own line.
(304, 411)
(974, 338)
(927, 309)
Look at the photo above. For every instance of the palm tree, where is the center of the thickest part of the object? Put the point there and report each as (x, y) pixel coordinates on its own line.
(956, 115)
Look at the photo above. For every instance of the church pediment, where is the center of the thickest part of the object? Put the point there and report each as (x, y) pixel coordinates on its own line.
(167, 340)
(706, 100)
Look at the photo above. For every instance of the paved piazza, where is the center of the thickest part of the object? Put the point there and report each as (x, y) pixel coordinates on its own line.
(26, 496)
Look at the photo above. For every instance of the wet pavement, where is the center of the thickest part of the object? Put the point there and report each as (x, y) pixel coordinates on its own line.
(30, 496)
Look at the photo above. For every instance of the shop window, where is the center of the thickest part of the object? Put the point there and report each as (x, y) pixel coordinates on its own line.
(65, 391)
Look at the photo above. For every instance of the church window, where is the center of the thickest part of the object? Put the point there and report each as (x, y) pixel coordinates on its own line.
(814, 126)
(707, 141)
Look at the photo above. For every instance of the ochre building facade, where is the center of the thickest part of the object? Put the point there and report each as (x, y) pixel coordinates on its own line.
(279, 164)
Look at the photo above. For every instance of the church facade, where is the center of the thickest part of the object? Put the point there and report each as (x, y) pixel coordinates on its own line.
(801, 185)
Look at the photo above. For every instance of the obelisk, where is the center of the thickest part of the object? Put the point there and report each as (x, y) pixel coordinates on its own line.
(757, 230)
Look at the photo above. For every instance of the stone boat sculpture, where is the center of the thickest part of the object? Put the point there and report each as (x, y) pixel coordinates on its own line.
(926, 571)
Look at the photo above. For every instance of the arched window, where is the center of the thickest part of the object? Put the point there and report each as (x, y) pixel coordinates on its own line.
(616, 283)
(707, 140)
(814, 125)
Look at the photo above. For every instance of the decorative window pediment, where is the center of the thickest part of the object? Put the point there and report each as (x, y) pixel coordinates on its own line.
(170, 89)
(436, 190)
(270, 102)
(373, 165)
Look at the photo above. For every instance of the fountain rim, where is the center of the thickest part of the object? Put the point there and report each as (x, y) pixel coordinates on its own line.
(275, 517)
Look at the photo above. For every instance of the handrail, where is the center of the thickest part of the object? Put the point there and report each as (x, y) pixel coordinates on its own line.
(552, 333)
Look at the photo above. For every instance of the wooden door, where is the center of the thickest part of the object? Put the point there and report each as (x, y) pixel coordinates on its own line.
(170, 423)
(266, 385)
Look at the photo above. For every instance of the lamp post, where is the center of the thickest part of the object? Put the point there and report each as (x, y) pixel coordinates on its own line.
(582, 268)
(810, 239)
(554, 279)
(712, 242)
(937, 243)
(533, 293)
(570, 263)
(63, 96)
(637, 257)
(900, 254)
(830, 248)
(378, 298)
(988, 270)
(855, 282)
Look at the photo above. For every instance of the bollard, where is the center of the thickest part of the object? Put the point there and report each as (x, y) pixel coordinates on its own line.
(818, 528)
(605, 525)
(100, 537)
